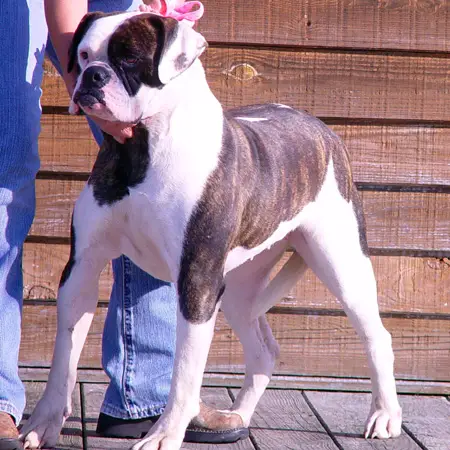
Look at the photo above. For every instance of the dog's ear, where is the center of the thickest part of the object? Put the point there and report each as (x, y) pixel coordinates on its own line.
(182, 46)
(81, 30)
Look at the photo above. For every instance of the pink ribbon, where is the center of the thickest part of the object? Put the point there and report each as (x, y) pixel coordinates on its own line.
(178, 9)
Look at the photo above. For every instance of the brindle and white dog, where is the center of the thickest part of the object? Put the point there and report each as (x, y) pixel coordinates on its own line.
(209, 200)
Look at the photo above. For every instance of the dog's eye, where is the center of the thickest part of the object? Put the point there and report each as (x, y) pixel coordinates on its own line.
(84, 55)
(130, 61)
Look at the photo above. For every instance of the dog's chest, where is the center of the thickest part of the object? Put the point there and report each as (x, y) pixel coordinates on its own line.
(157, 211)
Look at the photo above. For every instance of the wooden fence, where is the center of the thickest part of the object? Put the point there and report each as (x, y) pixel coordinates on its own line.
(376, 71)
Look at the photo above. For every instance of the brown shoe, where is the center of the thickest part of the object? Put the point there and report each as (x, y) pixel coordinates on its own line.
(8, 433)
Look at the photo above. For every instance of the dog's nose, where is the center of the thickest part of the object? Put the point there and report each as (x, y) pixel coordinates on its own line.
(95, 77)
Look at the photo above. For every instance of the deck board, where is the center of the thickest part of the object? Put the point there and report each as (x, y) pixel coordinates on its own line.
(345, 415)
(285, 419)
(428, 420)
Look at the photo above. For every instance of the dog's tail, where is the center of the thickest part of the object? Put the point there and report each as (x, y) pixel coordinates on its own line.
(280, 285)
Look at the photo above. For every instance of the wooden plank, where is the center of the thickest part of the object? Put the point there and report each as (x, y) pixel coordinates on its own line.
(284, 410)
(66, 144)
(235, 380)
(93, 396)
(395, 220)
(310, 345)
(283, 419)
(287, 440)
(312, 383)
(413, 155)
(55, 201)
(345, 415)
(71, 436)
(390, 24)
(350, 85)
(42, 268)
(336, 84)
(405, 284)
(328, 346)
(428, 419)
(396, 154)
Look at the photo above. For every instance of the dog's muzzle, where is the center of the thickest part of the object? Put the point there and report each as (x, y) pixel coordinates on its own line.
(90, 92)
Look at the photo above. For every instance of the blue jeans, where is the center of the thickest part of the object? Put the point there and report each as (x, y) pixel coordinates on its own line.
(139, 334)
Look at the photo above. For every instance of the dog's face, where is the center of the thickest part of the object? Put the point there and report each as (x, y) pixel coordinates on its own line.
(125, 60)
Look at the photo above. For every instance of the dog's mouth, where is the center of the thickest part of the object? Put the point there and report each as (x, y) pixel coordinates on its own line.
(92, 99)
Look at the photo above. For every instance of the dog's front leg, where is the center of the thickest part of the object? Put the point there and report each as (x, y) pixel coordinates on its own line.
(77, 300)
(199, 295)
(76, 304)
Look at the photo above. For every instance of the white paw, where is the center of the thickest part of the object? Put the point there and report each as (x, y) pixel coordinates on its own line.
(158, 441)
(383, 424)
(44, 425)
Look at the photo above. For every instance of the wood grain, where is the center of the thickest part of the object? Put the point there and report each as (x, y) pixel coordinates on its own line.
(233, 380)
(413, 155)
(283, 419)
(337, 84)
(71, 436)
(66, 144)
(405, 284)
(428, 419)
(388, 24)
(310, 345)
(345, 415)
(284, 410)
(42, 268)
(395, 220)
(291, 440)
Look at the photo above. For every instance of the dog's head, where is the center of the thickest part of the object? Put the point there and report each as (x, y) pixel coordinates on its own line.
(124, 60)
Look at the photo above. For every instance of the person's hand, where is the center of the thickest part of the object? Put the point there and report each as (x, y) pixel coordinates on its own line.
(118, 130)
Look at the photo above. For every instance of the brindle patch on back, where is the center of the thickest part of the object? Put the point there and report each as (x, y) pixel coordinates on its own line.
(273, 163)
(283, 165)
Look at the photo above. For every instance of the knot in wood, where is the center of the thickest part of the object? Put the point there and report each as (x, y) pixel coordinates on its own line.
(243, 72)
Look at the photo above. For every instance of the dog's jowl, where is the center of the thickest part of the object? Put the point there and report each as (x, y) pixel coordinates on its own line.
(209, 200)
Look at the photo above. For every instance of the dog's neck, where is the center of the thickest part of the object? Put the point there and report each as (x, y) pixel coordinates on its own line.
(188, 95)
(184, 112)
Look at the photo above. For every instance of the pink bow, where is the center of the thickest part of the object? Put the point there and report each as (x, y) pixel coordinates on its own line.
(177, 9)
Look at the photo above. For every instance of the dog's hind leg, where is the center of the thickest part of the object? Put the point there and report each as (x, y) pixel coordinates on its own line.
(244, 286)
(76, 305)
(332, 242)
(260, 352)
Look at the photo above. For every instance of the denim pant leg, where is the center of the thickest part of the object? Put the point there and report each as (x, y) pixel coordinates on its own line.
(139, 334)
(23, 34)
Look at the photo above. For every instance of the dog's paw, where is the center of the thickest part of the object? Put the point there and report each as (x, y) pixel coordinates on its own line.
(44, 425)
(384, 424)
(159, 440)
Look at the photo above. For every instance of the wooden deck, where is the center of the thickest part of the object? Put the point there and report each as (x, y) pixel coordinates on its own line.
(286, 419)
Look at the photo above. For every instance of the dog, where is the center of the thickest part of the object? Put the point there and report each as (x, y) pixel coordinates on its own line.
(209, 200)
